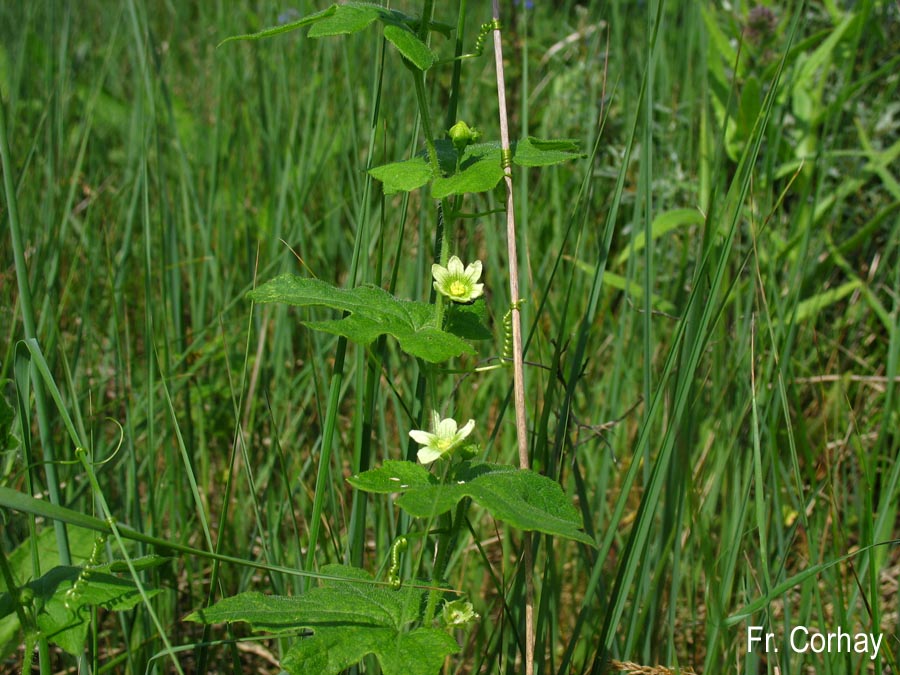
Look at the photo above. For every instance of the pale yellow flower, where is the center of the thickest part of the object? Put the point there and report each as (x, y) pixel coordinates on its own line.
(444, 440)
(458, 283)
(458, 613)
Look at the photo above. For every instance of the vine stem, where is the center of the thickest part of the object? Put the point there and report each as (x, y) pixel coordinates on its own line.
(518, 366)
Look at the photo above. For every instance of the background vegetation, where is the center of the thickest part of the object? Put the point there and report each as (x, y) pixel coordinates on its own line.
(713, 304)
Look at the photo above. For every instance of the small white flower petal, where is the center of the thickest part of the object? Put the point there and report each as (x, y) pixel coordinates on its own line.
(422, 437)
(473, 271)
(456, 282)
(427, 455)
(446, 428)
(446, 437)
(466, 430)
(439, 273)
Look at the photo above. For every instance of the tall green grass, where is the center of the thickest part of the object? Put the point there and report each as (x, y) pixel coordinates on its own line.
(712, 316)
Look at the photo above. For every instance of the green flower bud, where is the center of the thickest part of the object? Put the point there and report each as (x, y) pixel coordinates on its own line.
(461, 135)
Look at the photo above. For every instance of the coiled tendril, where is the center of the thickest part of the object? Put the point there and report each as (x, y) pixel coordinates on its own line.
(394, 572)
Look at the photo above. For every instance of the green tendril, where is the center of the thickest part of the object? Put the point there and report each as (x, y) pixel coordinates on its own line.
(507, 329)
(394, 573)
(486, 29)
(84, 576)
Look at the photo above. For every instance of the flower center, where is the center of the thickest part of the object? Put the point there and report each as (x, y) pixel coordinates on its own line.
(444, 444)
(458, 288)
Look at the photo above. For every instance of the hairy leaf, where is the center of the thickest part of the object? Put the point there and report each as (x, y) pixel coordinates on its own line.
(522, 498)
(344, 620)
(538, 152)
(283, 28)
(393, 476)
(346, 20)
(480, 168)
(468, 321)
(62, 614)
(408, 44)
(353, 17)
(81, 543)
(372, 312)
(404, 176)
(480, 175)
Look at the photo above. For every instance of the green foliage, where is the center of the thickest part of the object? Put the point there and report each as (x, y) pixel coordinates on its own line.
(342, 621)
(522, 498)
(413, 49)
(468, 321)
(8, 440)
(284, 28)
(711, 319)
(405, 176)
(373, 312)
(477, 169)
(346, 20)
(353, 17)
(536, 152)
(58, 603)
(662, 224)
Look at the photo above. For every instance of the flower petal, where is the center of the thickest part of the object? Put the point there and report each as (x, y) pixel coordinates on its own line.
(428, 455)
(422, 437)
(446, 428)
(455, 266)
(439, 273)
(466, 430)
(473, 271)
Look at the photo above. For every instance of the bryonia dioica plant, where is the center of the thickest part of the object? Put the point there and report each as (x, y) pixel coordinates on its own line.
(408, 623)
(405, 615)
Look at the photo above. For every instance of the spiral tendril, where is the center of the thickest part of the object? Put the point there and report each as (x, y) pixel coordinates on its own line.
(486, 29)
(394, 572)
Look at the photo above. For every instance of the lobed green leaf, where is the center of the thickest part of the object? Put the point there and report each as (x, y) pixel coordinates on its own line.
(69, 627)
(63, 616)
(522, 498)
(539, 152)
(353, 17)
(480, 175)
(346, 20)
(372, 312)
(393, 476)
(348, 618)
(468, 321)
(480, 168)
(283, 28)
(405, 176)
